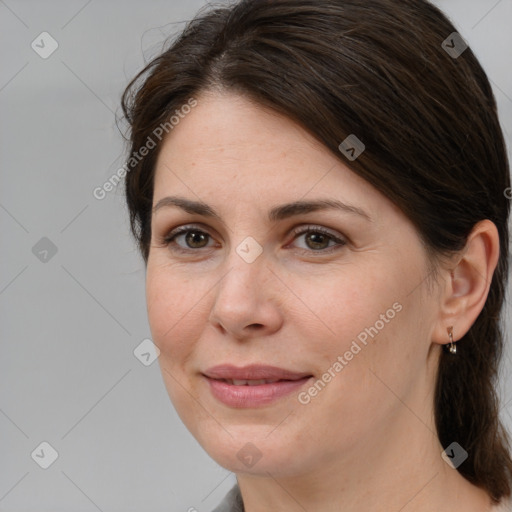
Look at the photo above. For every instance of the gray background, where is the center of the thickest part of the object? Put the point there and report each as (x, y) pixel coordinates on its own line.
(70, 324)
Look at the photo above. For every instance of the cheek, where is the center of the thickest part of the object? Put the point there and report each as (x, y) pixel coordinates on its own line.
(175, 319)
(353, 304)
(365, 344)
(174, 308)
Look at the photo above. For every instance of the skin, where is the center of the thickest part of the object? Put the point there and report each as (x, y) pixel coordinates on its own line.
(367, 441)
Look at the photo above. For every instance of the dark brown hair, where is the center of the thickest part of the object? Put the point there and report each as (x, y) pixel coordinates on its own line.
(434, 147)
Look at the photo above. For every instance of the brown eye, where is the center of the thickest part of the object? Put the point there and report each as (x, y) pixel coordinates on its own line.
(193, 239)
(196, 239)
(317, 240)
(189, 239)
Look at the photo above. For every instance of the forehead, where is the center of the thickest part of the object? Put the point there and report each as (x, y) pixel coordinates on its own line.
(228, 142)
(233, 130)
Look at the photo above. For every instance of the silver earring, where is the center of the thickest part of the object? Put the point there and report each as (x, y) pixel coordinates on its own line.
(453, 347)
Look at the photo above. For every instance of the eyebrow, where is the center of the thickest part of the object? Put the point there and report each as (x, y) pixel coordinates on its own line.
(277, 213)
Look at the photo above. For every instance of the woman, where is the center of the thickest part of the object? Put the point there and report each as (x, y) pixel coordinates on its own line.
(319, 192)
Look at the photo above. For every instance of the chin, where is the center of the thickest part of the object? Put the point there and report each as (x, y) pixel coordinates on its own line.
(251, 450)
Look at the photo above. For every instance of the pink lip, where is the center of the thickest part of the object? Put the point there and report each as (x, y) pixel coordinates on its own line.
(252, 396)
(252, 372)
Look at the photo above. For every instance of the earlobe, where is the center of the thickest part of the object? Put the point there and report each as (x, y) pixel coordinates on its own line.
(468, 283)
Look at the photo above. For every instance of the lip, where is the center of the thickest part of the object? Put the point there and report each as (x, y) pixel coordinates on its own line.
(252, 372)
(251, 396)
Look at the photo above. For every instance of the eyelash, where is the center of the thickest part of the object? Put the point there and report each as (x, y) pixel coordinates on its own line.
(169, 239)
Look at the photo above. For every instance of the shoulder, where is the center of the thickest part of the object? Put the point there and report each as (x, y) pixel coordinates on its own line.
(232, 502)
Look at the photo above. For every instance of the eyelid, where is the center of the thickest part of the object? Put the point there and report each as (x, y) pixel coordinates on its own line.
(307, 228)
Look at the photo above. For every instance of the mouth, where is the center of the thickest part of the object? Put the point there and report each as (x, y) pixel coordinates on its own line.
(253, 386)
(253, 372)
(259, 382)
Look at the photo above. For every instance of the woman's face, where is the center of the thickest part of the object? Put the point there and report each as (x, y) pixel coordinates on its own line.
(346, 310)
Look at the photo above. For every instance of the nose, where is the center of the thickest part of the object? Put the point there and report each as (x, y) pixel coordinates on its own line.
(246, 302)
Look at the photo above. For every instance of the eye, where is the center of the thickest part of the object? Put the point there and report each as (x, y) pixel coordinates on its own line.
(193, 238)
(316, 239)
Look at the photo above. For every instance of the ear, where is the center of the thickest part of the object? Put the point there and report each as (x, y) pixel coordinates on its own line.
(467, 282)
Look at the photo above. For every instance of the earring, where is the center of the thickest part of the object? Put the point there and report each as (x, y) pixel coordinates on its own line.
(453, 347)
